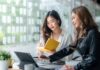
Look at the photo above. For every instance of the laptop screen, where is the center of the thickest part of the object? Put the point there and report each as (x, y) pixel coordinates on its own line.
(26, 57)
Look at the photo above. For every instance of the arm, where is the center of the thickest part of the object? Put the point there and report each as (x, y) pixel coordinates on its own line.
(60, 54)
(90, 59)
(65, 51)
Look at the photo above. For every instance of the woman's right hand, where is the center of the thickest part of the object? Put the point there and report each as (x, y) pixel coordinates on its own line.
(43, 57)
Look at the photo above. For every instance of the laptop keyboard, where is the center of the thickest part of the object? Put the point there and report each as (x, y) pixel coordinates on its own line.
(43, 61)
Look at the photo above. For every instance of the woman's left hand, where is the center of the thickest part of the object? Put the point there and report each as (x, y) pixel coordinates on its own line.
(67, 67)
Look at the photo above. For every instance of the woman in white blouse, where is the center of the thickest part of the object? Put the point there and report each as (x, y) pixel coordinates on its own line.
(52, 29)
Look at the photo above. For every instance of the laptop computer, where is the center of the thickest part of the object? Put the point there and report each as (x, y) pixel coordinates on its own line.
(26, 58)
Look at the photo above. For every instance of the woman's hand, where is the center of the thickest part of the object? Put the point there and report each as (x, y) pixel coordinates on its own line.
(67, 67)
(43, 57)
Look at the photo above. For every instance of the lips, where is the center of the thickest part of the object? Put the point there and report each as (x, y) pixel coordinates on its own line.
(52, 28)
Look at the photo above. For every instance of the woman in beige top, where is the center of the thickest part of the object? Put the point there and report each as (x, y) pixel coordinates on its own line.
(52, 29)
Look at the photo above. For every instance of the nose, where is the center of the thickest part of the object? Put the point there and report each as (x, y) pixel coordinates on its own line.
(51, 24)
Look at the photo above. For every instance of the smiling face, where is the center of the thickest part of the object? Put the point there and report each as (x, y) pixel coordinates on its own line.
(52, 23)
(76, 21)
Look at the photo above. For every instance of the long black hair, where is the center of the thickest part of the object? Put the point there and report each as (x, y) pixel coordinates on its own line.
(45, 30)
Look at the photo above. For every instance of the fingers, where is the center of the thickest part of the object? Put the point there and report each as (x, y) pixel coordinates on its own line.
(68, 67)
(43, 56)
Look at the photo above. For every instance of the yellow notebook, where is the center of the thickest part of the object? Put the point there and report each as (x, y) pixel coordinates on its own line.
(50, 45)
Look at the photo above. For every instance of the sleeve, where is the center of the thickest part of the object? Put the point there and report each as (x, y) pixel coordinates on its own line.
(90, 59)
(60, 54)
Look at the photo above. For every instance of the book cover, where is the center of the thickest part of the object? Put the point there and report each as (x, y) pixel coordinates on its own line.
(50, 45)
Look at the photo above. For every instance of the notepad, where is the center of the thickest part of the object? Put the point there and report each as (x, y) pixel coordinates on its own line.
(50, 45)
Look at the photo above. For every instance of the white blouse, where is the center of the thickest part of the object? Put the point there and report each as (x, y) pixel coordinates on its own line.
(64, 39)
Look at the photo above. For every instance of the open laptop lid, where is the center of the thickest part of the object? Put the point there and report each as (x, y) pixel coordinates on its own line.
(26, 57)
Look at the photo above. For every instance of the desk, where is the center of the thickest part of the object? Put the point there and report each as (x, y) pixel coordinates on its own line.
(42, 65)
(47, 65)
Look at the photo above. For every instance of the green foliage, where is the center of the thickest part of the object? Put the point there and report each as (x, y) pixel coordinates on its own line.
(4, 55)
